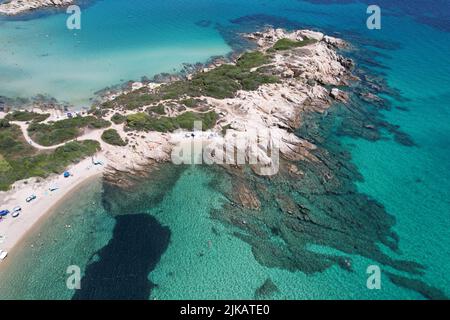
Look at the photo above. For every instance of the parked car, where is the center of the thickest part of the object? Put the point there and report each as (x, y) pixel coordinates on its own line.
(31, 198)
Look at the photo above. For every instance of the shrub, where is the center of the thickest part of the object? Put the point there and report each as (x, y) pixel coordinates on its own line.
(118, 118)
(286, 44)
(112, 137)
(143, 121)
(27, 116)
(159, 109)
(4, 123)
(221, 82)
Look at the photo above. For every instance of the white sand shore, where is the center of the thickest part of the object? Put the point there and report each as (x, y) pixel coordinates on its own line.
(13, 230)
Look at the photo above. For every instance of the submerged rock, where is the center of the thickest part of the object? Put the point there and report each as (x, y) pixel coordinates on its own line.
(266, 289)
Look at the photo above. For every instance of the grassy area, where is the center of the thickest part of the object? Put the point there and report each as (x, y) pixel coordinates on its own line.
(221, 82)
(287, 44)
(12, 143)
(20, 161)
(145, 122)
(61, 131)
(27, 116)
(112, 137)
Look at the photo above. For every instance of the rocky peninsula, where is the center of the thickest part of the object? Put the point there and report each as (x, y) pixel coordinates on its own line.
(15, 7)
(289, 74)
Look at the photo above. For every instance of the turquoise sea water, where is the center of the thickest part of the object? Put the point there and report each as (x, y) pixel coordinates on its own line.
(202, 258)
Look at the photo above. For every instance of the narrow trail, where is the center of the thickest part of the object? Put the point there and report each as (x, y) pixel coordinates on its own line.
(23, 126)
(90, 135)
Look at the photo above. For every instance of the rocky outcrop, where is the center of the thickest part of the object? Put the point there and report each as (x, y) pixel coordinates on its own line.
(304, 73)
(273, 111)
(15, 7)
(246, 197)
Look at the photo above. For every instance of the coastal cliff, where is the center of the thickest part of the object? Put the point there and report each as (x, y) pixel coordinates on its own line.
(15, 7)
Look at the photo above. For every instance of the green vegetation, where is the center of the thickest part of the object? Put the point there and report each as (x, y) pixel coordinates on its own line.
(143, 121)
(112, 137)
(4, 165)
(117, 118)
(221, 82)
(4, 123)
(159, 109)
(97, 111)
(20, 161)
(132, 100)
(61, 131)
(286, 44)
(27, 116)
(190, 103)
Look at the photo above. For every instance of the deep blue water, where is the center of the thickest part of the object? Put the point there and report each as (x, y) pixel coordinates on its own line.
(121, 41)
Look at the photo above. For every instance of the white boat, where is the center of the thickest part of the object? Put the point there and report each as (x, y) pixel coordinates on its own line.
(3, 254)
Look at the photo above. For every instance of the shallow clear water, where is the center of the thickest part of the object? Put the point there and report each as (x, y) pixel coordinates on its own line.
(116, 43)
(203, 258)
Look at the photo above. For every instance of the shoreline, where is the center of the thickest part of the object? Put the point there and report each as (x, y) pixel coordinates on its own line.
(295, 78)
(15, 7)
(15, 230)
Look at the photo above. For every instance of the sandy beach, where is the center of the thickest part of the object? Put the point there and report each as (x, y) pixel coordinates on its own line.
(13, 230)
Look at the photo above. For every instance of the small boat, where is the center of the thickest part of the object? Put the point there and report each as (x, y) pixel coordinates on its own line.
(4, 213)
(3, 254)
(31, 198)
(17, 209)
(51, 189)
(66, 174)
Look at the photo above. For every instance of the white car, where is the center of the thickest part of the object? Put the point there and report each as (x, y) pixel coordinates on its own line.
(3, 254)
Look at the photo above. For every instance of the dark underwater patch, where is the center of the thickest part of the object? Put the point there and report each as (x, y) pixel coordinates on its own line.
(323, 206)
(434, 13)
(267, 289)
(419, 286)
(121, 268)
(141, 191)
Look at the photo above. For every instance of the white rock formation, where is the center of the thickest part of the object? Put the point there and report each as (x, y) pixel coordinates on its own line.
(15, 7)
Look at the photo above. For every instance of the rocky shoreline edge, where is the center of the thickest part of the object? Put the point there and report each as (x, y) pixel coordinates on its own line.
(16, 7)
